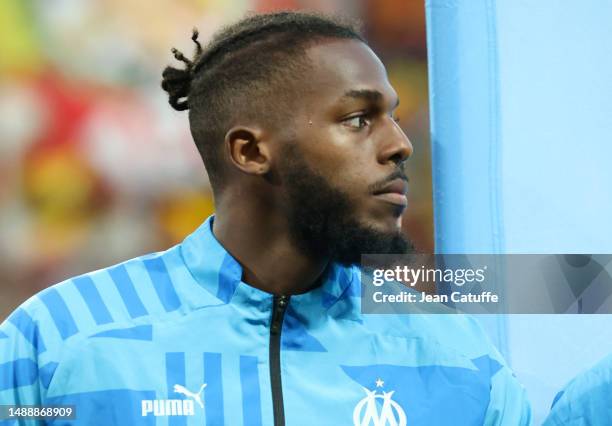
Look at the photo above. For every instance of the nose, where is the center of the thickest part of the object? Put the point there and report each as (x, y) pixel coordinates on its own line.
(395, 145)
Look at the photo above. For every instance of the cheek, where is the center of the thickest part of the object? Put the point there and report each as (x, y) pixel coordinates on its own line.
(351, 178)
(342, 161)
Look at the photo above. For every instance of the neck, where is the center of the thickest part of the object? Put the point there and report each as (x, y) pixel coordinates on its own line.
(261, 243)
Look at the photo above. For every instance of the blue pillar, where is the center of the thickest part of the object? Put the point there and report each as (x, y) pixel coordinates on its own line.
(521, 114)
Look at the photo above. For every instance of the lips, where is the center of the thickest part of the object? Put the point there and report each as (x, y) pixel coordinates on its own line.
(396, 186)
(394, 192)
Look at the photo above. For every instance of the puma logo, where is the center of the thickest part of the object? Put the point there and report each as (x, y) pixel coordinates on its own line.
(197, 397)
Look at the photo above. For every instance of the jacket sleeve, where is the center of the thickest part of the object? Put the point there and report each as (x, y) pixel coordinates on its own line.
(508, 403)
(28, 358)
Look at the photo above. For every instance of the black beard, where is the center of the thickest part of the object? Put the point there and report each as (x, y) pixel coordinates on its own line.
(321, 218)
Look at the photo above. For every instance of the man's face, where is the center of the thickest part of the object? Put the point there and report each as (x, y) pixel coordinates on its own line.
(343, 174)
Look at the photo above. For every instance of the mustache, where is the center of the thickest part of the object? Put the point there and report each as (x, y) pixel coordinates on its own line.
(398, 174)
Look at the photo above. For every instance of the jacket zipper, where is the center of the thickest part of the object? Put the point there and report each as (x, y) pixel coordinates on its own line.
(279, 305)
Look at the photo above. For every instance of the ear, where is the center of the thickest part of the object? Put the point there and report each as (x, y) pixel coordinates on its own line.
(248, 149)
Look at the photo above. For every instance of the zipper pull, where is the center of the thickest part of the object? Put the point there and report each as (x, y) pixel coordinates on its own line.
(278, 312)
(282, 302)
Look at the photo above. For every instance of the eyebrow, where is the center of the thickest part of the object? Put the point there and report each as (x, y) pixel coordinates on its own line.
(373, 96)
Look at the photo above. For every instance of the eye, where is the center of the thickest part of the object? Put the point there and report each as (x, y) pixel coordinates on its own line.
(357, 122)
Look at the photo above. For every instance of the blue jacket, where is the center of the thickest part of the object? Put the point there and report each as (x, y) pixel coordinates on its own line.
(176, 338)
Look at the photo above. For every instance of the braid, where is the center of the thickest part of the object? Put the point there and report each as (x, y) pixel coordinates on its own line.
(176, 81)
(234, 40)
(194, 38)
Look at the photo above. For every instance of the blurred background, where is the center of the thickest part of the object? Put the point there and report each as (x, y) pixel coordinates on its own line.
(96, 167)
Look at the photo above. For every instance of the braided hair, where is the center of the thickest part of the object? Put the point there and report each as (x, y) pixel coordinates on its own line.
(249, 70)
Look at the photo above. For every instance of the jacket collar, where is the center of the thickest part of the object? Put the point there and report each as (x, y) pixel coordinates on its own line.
(219, 273)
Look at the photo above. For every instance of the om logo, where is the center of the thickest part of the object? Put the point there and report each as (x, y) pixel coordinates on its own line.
(366, 412)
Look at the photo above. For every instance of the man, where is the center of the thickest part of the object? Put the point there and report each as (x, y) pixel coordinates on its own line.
(255, 318)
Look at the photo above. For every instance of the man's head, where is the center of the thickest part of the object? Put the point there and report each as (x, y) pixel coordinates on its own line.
(293, 112)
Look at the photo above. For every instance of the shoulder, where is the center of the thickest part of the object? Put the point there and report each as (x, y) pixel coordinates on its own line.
(432, 321)
(39, 334)
(138, 288)
(460, 333)
(586, 398)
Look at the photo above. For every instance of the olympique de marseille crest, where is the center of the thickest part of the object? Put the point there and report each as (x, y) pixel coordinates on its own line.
(369, 412)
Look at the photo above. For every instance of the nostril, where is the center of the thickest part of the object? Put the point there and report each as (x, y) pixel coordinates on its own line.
(398, 158)
(401, 154)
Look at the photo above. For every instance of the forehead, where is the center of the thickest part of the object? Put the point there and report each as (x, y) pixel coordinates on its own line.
(341, 66)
